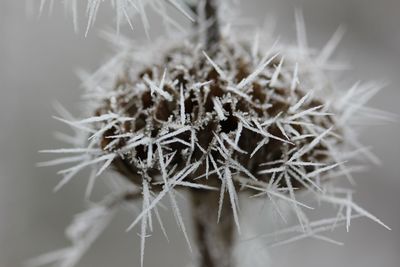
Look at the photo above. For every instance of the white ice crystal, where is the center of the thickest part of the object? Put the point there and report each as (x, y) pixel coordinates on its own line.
(125, 10)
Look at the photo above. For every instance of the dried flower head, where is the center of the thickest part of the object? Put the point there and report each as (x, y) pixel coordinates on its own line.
(237, 113)
(248, 116)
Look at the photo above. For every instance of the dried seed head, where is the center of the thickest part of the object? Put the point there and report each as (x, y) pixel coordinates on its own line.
(225, 111)
(240, 119)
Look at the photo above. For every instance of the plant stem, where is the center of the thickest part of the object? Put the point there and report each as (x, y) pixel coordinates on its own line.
(207, 12)
(213, 34)
(214, 240)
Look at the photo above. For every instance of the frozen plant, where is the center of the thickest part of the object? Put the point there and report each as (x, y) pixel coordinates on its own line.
(218, 114)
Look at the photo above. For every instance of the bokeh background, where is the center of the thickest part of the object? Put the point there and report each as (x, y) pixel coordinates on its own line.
(38, 59)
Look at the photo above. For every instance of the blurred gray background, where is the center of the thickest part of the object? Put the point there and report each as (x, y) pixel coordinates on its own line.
(38, 58)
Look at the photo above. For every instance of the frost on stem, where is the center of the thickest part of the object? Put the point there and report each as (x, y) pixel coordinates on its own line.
(83, 231)
(251, 118)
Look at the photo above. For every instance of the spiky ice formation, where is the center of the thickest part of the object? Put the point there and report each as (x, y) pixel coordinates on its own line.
(230, 112)
(124, 10)
(252, 117)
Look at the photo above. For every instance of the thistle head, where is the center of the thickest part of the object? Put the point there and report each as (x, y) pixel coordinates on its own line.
(244, 116)
(237, 112)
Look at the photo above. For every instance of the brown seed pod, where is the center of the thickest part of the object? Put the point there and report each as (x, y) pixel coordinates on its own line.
(230, 119)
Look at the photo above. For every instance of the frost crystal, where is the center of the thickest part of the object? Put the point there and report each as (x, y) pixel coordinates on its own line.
(251, 118)
(125, 10)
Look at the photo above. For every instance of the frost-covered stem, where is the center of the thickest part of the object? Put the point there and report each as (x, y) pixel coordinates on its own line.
(115, 200)
(214, 240)
(213, 34)
(207, 16)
